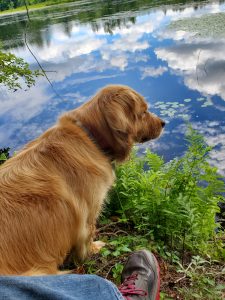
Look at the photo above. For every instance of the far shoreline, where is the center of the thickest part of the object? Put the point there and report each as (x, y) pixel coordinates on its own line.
(33, 7)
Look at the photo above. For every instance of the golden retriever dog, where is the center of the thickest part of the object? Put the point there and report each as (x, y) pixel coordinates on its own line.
(52, 191)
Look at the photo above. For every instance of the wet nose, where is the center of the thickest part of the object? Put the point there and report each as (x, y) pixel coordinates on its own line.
(163, 123)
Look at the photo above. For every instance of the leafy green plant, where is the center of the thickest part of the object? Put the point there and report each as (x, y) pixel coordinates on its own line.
(120, 245)
(203, 281)
(164, 296)
(14, 70)
(174, 203)
(91, 266)
(117, 270)
(4, 155)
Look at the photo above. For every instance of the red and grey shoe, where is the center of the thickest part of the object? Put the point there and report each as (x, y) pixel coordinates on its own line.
(140, 277)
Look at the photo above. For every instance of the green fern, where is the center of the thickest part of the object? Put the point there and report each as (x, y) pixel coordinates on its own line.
(175, 201)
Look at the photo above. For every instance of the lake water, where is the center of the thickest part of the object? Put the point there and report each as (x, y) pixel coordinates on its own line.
(172, 54)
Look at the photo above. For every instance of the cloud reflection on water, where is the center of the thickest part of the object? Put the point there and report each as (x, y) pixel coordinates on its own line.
(139, 52)
(200, 63)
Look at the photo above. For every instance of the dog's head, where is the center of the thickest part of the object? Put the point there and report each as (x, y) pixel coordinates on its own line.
(117, 117)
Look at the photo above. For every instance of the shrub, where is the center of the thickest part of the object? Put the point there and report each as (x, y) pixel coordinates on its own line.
(174, 202)
(4, 155)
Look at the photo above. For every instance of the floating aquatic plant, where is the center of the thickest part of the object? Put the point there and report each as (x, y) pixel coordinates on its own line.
(205, 26)
(172, 110)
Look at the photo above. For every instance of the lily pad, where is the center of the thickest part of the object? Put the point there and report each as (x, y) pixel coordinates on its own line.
(210, 25)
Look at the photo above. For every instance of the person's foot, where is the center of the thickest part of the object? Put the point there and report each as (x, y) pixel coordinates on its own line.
(140, 277)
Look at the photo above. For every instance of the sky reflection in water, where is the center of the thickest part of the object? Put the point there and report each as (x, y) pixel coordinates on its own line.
(180, 72)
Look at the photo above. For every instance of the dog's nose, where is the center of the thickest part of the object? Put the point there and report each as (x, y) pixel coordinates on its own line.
(163, 123)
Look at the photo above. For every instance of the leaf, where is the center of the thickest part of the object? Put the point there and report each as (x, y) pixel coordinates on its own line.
(175, 201)
(116, 253)
(220, 287)
(105, 252)
(3, 157)
(125, 249)
(13, 70)
(169, 212)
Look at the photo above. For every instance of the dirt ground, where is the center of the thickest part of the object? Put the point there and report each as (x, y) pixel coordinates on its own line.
(170, 280)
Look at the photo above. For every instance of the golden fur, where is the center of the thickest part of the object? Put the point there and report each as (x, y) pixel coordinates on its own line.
(51, 192)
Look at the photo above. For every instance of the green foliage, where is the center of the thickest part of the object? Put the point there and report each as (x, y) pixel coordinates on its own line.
(120, 245)
(175, 202)
(4, 155)
(117, 270)
(203, 282)
(104, 5)
(163, 296)
(13, 70)
(11, 4)
(206, 26)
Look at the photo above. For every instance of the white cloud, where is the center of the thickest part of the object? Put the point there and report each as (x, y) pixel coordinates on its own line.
(73, 48)
(30, 113)
(189, 12)
(198, 59)
(202, 64)
(89, 78)
(19, 108)
(214, 135)
(127, 40)
(153, 72)
(74, 54)
(24, 104)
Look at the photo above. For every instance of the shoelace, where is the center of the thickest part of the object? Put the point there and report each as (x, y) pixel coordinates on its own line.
(128, 288)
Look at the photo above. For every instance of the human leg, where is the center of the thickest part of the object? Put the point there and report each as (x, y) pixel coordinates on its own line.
(58, 287)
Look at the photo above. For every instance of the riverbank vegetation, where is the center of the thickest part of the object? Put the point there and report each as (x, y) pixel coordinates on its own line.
(110, 6)
(12, 5)
(170, 209)
(172, 203)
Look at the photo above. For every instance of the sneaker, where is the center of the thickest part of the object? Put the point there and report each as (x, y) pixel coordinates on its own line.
(140, 277)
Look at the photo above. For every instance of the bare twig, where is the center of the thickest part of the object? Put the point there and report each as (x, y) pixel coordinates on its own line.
(28, 16)
(179, 279)
(109, 272)
(109, 233)
(185, 275)
(196, 69)
(31, 52)
(102, 268)
(121, 231)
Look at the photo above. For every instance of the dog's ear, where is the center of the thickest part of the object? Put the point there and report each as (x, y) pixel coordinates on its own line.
(117, 108)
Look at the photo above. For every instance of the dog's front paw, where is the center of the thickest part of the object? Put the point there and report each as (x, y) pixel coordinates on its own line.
(97, 246)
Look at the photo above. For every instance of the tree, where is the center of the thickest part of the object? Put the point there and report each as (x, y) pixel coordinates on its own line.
(14, 71)
(9, 4)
